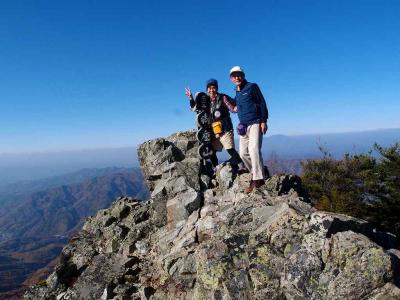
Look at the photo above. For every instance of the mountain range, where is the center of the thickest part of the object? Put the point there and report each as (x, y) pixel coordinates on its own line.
(16, 192)
(34, 228)
(31, 166)
(337, 144)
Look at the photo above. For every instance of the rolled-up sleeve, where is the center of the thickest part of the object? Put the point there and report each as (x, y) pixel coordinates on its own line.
(229, 103)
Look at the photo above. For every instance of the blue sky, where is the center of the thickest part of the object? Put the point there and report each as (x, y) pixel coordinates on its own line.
(88, 74)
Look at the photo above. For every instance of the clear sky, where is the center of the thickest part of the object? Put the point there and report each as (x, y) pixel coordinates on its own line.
(88, 74)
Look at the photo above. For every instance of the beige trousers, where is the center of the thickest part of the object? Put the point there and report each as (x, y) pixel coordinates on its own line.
(250, 151)
(223, 142)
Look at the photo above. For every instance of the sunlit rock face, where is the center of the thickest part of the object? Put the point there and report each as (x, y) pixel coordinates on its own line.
(201, 237)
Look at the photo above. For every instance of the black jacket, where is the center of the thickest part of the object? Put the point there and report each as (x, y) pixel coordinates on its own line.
(225, 118)
(219, 105)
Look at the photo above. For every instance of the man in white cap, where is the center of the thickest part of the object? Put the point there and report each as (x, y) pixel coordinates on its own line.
(253, 114)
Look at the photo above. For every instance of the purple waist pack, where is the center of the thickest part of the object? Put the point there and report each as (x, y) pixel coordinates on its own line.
(241, 129)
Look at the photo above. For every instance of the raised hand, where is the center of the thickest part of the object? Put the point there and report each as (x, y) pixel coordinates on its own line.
(188, 93)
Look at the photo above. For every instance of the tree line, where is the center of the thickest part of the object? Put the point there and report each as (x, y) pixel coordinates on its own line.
(365, 186)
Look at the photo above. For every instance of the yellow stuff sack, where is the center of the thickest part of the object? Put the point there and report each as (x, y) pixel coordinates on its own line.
(217, 127)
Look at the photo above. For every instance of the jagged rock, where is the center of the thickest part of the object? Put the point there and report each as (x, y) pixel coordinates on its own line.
(225, 175)
(349, 253)
(285, 184)
(171, 167)
(181, 206)
(199, 238)
(388, 292)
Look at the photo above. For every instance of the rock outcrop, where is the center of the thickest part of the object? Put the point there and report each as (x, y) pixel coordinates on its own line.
(201, 237)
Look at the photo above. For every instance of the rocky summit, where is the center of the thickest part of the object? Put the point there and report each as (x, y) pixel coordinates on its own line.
(201, 237)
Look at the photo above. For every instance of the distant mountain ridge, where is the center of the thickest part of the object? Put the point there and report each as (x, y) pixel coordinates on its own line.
(29, 166)
(14, 193)
(307, 146)
(32, 166)
(31, 186)
(56, 211)
(33, 231)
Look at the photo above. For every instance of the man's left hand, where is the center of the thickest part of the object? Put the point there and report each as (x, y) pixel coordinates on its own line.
(263, 127)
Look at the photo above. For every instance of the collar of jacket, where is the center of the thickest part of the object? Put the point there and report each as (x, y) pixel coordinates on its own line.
(216, 98)
(241, 86)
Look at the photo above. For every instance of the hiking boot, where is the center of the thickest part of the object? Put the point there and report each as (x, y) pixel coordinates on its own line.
(250, 187)
(266, 173)
(242, 170)
(254, 184)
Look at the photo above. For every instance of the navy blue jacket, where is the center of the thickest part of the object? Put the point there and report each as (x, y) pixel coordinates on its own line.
(251, 104)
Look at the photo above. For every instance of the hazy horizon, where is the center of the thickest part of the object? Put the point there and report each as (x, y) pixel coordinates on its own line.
(28, 166)
(83, 150)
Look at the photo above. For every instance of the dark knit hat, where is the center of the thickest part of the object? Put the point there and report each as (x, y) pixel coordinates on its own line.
(213, 82)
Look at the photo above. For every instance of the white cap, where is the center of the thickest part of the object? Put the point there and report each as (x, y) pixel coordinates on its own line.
(236, 69)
